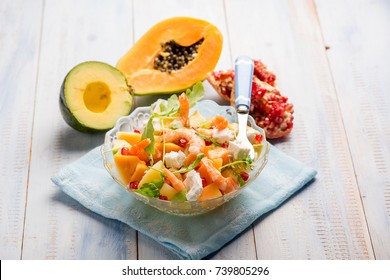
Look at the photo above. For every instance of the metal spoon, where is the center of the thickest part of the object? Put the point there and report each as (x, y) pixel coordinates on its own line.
(243, 88)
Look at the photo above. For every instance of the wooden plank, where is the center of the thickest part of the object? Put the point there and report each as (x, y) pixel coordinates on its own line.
(213, 11)
(57, 227)
(325, 220)
(357, 34)
(20, 30)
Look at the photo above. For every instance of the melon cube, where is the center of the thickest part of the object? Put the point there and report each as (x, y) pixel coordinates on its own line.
(169, 147)
(196, 119)
(129, 137)
(218, 152)
(168, 191)
(126, 166)
(210, 191)
(152, 174)
(139, 172)
(217, 162)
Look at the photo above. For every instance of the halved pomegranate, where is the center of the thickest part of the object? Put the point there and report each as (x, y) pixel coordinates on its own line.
(269, 108)
(222, 82)
(263, 74)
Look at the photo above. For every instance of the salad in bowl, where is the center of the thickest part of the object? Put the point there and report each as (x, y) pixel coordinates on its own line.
(181, 155)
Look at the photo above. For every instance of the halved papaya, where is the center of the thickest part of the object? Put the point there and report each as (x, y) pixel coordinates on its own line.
(172, 56)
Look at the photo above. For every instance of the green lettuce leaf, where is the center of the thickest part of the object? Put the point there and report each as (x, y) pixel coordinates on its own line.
(170, 107)
(195, 94)
(180, 196)
(149, 133)
(151, 189)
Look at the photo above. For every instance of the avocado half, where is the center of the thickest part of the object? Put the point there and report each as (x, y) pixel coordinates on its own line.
(93, 96)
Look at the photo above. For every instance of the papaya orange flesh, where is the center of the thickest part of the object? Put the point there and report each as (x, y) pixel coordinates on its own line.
(130, 137)
(138, 63)
(126, 166)
(209, 192)
(217, 153)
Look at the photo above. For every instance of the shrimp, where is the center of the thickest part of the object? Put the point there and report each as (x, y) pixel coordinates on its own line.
(138, 149)
(175, 182)
(184, 110)
(195, 143)
(205, 131)
(219, 122)
(226, 185)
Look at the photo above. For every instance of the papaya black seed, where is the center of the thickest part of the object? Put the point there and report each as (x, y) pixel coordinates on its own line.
(177, 58)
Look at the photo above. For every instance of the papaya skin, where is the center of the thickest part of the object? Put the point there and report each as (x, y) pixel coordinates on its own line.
(137, 64)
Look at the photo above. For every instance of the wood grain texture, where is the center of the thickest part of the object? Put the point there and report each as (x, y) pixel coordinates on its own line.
(330, 60)
(325, 220)
(57, 227)
(358, 46)
(20, 29)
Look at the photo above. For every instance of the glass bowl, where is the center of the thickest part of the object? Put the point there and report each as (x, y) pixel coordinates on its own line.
(139, 117)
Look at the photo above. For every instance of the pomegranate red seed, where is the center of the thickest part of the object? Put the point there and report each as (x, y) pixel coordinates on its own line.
(137, 131)
(125, 151)
(244, 176)
(225, 145)
(204, 182)
(163, 197)
(182, 142)
(133, 185)
(258, 138)
(208, 143)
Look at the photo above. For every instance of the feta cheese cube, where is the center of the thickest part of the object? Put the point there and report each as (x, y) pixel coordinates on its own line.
(193, 184)
(117, 145)
(175, 159)
(224, 135)
(251, 134)
(238, 150)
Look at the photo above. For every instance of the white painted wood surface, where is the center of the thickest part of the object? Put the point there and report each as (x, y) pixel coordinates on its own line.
(360, 66)
(344, 214)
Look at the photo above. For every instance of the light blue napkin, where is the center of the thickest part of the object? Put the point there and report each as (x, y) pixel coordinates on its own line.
(87, 181)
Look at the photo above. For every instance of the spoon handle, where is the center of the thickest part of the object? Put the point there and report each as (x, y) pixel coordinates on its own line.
(243, 82)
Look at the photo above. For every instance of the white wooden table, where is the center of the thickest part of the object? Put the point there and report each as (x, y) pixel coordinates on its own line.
(331, 59)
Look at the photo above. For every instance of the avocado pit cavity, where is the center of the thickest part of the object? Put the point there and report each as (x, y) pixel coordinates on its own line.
(97, 97)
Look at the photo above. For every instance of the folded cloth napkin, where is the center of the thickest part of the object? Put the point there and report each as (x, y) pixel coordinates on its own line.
(193, 237)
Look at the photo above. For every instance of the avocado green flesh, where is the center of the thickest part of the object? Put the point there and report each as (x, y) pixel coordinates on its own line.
(93, 96)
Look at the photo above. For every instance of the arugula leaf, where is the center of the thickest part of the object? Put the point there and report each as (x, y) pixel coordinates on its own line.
(247, 161)
(192, 165)
(151, 189)
(149, 133)
(208, 138)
